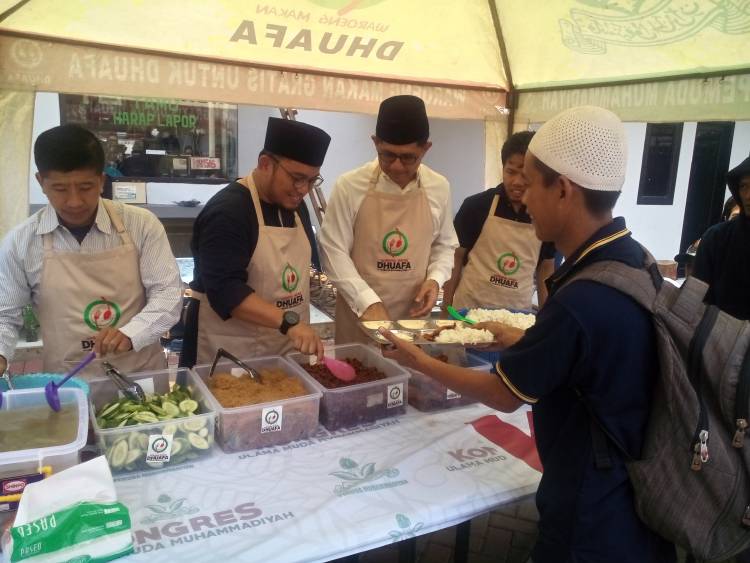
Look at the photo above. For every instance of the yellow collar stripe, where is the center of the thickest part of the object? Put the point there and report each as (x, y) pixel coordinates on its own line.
(602, 242)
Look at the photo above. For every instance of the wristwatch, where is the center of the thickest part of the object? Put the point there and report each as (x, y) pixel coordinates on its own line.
(289, 320)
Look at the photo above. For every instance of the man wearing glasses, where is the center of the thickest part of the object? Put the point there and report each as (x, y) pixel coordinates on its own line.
(252, 249)
(387, 240)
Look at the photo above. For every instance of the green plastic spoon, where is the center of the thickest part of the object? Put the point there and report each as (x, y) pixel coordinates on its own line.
(458, 316)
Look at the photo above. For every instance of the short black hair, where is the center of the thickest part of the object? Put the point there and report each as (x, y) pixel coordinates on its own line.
(597, 202)
(66, 148)
(517, 143)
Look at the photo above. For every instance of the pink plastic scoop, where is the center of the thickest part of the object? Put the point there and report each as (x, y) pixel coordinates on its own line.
(340, 369)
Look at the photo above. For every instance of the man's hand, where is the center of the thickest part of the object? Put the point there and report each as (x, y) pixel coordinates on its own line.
(405, 353)
(505, 335)
(425, 299)
(306, 340)
(375, 312)
(3, 364)
(111, 341)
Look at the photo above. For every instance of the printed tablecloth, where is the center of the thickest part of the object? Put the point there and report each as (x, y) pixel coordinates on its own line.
(336, 493)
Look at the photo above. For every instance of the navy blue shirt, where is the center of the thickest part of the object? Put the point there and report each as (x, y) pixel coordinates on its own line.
(225, 235)
(598, 340)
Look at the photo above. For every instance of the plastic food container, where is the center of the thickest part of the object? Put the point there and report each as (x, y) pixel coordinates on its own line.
(159, 444)
(264, 424)
(427, 394)
(26, 462)
(351, 405)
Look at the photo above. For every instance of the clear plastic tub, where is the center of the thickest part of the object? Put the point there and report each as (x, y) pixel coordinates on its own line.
(359, 403)
(264, 424)
(145, 446)
(27, 462)
(427, 394)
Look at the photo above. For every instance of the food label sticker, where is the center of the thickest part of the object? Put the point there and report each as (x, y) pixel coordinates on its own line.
(450, 394)
(395, 395)
(159, 447)
(271, 419)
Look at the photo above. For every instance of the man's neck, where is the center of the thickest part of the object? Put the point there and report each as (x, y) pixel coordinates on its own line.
(260, 187)
(579, 232)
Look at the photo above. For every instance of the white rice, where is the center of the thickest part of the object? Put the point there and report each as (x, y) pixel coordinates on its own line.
(518, 320)
(464, 335)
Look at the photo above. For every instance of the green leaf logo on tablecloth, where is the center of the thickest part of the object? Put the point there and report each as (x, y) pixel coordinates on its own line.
(406, 530)
(356, 476)
(168, 509)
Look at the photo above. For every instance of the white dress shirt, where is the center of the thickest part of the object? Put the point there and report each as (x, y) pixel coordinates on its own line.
(21, 260)
(337, 231)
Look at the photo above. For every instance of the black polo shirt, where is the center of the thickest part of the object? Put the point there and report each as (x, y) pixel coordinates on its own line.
(473, 212)
(225, 235)
(593, 338)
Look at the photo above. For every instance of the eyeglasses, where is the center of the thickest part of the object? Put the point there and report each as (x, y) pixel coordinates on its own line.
(406, 159)
(297, 180)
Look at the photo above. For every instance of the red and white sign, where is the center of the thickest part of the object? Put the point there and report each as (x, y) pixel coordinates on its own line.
(13, 487)
(204, 163)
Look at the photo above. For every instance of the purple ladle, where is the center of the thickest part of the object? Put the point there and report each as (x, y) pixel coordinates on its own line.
(51, 389)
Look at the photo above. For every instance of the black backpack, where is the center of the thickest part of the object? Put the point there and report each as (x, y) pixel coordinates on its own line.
(692, 481)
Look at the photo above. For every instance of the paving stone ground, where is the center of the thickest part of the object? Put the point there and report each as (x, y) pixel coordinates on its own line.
(505, 535)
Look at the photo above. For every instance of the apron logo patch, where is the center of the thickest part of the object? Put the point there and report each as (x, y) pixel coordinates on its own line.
(395, 243)
(508, 263)
(289, 278)
(101, 313)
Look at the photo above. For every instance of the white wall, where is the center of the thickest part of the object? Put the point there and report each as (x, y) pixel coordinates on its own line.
(657, 227)
(46, 116)
(457, 151)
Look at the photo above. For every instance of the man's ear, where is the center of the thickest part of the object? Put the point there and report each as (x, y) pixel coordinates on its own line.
(565, 186)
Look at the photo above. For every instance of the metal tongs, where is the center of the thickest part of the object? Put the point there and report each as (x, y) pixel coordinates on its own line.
(221, 353)
(129, 388)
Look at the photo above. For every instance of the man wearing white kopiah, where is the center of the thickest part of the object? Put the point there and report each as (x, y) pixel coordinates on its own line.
(387, 241)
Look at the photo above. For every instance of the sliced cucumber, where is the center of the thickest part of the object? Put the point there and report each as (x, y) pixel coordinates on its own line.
(119, 454)
(203, 432)
(198, 442)
(194, 425)
(145, 417)
(133, 456)
(170, 409)
(188, 406)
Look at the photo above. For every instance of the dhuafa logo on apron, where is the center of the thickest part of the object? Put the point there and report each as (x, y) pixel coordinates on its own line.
(101, 313)
(508, 263)
(395, 243)
(289, 278)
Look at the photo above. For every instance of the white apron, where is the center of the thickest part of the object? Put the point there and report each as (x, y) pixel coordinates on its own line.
(391, 251)
(279, 271)
(81, 293)
(500, 271)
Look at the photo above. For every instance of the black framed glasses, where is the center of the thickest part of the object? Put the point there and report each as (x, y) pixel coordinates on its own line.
(406, 159)
(299, 181)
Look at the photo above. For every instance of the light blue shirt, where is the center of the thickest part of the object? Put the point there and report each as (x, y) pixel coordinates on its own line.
(22, 255)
